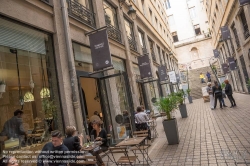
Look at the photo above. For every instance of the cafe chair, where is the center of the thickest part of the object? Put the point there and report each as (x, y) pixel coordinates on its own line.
(86, 160)
(107, 152)
(123, 160)
(142, 149)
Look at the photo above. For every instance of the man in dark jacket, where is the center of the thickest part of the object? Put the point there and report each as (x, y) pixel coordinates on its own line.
(229, 93)
(13, 128)
(54, 153)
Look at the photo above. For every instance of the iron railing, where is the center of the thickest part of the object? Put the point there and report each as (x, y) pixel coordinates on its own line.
(81, 13)
(144, 50)
(132, 43)
(153, 56)
(114, 33)
(46, 1)
(246, 33)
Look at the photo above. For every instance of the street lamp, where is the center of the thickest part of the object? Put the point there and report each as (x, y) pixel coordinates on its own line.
(132, 12)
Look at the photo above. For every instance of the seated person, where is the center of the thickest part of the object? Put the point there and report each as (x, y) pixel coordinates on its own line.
(8, 161)
(99, 135)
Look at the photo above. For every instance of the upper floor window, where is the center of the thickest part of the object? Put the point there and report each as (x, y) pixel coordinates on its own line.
(129, 28)
(237, 41)
(151, 15)
(110, 14)
(171, 20)
(175, 37)
(168, 6)
(197, 29)
(141, 38)
(192, 12)
(244, 24)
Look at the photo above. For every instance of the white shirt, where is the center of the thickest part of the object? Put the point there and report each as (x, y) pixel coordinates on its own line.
(141, 117)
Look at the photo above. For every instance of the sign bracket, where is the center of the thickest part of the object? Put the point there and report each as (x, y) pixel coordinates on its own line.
(96, 30)
(109, 68)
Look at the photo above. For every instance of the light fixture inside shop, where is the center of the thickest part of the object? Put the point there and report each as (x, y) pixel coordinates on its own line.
(28, 97)
(132, 12)
(45, 93)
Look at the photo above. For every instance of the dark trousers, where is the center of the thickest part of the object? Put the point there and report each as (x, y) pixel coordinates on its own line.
(98, 157)
(219, 97)
(231, 99)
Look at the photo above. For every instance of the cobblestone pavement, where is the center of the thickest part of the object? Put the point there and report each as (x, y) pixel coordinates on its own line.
(207, 137)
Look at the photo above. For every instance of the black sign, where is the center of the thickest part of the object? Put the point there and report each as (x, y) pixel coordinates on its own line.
(232, 64)
(216, 53)
(225, 68)
(144, 66)
(244, 2)
(162, 73)
(100, 52)
(225, 33)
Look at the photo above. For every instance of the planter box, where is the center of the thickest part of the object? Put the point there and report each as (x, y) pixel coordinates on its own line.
(190, 99)
(183, 110)
(2, 88)
(171, 131)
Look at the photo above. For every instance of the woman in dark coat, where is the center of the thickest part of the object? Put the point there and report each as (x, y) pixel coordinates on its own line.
(229, 93)
(217, 93)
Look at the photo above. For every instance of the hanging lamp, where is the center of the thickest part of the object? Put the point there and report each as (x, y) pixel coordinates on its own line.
(28, 97)
(45, 92)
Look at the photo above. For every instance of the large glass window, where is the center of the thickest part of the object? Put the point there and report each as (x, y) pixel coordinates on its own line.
(27, 82)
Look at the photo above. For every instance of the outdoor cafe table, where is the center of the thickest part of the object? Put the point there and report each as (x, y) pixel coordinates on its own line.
(136, 142)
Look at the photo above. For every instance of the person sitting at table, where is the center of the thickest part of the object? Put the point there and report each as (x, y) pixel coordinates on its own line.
(99, 135)
(73, 142)
(141, 119)
(8, 161)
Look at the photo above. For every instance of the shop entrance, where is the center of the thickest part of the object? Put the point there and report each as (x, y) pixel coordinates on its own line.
(111, 96)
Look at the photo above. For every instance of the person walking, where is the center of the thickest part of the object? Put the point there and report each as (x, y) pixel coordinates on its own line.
(217, 93)
(208, 76)
(210, 92)
(202, 77)
(229, 93)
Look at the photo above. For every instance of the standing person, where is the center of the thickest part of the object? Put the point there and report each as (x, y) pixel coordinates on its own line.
(13, 128)
(210, 92)
(208, 76)
(99, 135)
(57, 152)
(217, 93)
(8, 161)
(141, 119)
(202, 77)
(229, 93)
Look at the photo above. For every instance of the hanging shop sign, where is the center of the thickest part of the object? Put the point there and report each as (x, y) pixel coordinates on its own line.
(225, 68)
(162, 73)
(232, 64)
(177, 78)
(172, 76)
(144, 66)
(225, 33)
(100, 52)
(244, 2)
(216, 53)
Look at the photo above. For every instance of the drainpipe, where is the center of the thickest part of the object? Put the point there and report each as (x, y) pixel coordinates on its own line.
(72, 73)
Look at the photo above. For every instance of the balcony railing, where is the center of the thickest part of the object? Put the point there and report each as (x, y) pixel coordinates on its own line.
(132, 43)
(246, 33)
(114, 33)
(81, 13)
(153, 56)
(144, 50)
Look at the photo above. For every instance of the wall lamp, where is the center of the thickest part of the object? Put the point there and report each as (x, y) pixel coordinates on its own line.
(132, 12)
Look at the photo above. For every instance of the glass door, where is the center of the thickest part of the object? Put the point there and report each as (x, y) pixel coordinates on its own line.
(117, 105)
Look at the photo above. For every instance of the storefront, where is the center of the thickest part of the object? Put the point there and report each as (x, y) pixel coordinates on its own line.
(108, 93)
(27, 82)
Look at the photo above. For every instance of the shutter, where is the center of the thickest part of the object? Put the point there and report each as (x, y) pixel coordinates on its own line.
(16, 36)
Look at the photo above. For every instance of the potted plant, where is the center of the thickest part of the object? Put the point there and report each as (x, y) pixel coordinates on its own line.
(189, 97)
(168, 105)
(182, 105)
(248, 83)
(49, 109)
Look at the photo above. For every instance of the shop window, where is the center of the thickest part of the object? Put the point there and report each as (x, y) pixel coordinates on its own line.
(175, 37)
(197, 29)
(28, 71)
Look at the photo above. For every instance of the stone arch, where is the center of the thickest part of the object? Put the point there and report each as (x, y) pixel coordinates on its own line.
(194, 53)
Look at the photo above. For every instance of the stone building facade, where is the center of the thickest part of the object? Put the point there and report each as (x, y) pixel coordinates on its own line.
(237, 18)
(57, 28)
(190, 32)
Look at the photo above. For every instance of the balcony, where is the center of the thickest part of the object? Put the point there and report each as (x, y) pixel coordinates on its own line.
(153, 56)
(81, 13)
(132, 43)
(114, 33)
(246, 34)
